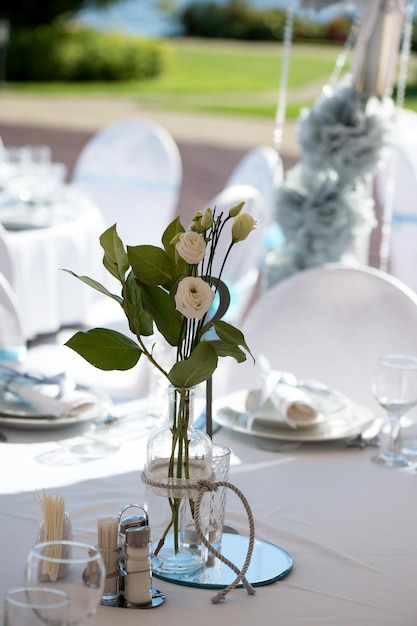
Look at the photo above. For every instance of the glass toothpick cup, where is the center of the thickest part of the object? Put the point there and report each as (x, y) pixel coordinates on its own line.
(394, 386)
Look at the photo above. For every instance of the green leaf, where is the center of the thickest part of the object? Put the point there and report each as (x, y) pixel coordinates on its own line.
(175, 228)
(150, 264)
(223, 349)
(231, 335)
(115, 259)
(196, 369)
(158, 303)
(106, 349)
(96, 285)
(140, 321)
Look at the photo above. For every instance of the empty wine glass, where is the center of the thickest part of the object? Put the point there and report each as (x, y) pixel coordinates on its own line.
(33, 606)
(394, 386)
(70, 566)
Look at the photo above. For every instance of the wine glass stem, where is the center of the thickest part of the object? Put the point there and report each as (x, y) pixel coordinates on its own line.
(394, 445)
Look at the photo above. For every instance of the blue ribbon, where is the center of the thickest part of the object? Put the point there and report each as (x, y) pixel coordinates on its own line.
(404, 218)
(114, 181)
(13, 353)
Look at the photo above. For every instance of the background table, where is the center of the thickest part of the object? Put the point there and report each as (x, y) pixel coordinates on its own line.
(48, 297)
(349, 525)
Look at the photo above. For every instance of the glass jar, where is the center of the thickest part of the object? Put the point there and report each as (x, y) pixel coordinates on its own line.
(178, 455)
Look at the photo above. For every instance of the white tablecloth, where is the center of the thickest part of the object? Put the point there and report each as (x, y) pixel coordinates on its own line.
(349, 525)
(48, 297)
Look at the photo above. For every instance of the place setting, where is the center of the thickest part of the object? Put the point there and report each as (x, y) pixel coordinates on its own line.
(76, 422)
(290, 410)
(34, 401)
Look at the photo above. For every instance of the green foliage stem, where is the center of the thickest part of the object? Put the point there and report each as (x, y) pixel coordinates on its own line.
(148, 276)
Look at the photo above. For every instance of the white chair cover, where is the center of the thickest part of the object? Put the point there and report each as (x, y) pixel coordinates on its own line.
(12, 341)
(243, 265)
(132, 170)
(6, 264)
(400, 169)
(329, 323)
(50, 358)
(262, 168)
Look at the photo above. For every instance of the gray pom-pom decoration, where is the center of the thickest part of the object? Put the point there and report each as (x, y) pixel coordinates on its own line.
(345, 131)
(320, 216)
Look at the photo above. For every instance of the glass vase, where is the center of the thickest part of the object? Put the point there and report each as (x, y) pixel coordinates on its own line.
(178, 455)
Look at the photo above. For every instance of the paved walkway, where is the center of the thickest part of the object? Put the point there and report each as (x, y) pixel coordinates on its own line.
(90, 113)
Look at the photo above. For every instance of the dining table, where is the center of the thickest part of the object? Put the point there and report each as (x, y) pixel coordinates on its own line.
(347, 525)
(42, 241)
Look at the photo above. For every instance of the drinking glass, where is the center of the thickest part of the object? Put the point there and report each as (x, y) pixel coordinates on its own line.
(394, 386)
(72, 567)
(221, 465)
(32, 606)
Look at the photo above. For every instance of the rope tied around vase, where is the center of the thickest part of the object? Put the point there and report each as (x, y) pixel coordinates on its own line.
(204, 486)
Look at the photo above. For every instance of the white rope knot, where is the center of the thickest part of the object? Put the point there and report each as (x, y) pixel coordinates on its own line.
(204, 486)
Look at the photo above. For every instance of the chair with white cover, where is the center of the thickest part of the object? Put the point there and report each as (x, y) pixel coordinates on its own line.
(6, 264)
(51, 357)
(400, 171)
(262, 168)
(12, 340)
(328, 323)
(132, 170)
(242, 268)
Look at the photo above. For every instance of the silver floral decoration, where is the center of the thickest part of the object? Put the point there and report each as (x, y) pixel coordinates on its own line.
(325, 202)
(321, 216)
(346, 131)
(325, 206)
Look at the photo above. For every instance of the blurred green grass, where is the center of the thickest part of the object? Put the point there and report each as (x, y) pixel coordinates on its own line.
(219, 76)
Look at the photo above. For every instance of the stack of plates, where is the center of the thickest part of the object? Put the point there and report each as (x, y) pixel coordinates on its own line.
(338, 417)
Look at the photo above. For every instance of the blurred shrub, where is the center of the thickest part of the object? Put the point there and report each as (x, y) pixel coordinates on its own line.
(60, 53)
(338, 29)
(235, 20)
(239, 20)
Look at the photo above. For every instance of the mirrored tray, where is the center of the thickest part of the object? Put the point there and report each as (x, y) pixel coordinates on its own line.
(269, 563)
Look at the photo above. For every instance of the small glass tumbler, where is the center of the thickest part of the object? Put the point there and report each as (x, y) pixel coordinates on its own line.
(221, 465)
(212, 511)
(112, 584)
(32, 606)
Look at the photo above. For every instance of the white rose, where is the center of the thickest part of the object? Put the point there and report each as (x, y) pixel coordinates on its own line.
(243, 224)
(194, 297)
(191, 247)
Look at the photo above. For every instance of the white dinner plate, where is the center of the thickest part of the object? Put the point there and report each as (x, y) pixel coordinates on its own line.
(19, 415)
(338, 418)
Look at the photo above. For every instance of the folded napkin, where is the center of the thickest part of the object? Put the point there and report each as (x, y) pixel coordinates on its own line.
(56, 396)
(294, 405)
(281, 399)
(48, 400)
(283, 403)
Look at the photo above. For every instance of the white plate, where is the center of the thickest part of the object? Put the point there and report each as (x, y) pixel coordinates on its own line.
(338, 418)
(18, 415)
